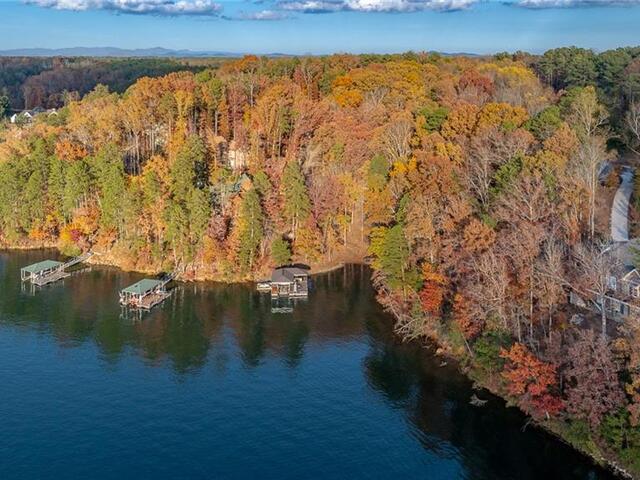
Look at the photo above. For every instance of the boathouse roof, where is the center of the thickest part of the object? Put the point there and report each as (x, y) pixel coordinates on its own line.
(143, 286)
(287, 274)
(41, 266)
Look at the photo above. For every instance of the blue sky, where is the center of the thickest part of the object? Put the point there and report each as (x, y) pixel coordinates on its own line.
(321, 26)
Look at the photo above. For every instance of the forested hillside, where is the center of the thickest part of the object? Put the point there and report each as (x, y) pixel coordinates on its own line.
(472, 183)
(30, 82)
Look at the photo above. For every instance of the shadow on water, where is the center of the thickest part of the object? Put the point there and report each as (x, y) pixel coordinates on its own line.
(335, 354)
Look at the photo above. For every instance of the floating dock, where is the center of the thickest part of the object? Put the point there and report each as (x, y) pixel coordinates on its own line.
(49, 271)
(146, 293)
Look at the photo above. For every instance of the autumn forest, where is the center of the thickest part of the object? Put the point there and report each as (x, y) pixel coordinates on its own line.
(473, 186)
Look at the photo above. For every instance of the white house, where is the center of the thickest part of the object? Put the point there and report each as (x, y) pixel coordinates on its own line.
(27, 116)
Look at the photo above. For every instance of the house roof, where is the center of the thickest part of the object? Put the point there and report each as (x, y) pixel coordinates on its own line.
(143, 286)
(287, 274)
(632, 276)
(40, 266)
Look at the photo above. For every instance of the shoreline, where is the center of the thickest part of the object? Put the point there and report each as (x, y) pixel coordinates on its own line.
(438, 347)
(106, 259)
(442, 349)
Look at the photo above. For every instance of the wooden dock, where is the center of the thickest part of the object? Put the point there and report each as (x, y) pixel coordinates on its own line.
(50, 271)
(146, 293)
(151, 300)
(54, 276)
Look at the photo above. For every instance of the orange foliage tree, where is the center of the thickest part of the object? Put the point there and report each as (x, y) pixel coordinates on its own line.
(533, 382)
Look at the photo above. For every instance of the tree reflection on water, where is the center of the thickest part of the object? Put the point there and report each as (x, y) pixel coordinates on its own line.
(209, 325)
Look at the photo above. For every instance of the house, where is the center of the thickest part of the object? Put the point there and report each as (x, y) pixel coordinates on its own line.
(236, 156)
(27, 116)
(289, 282)
(622, 299)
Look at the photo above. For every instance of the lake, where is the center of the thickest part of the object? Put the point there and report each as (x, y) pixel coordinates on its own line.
(212, 384)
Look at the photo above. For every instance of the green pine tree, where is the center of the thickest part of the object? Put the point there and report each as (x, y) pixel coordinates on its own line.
(297, 205)
(109, 173)
(395, 256)
(77, 186)
(5, 106)
(280, 251)
(250, 228)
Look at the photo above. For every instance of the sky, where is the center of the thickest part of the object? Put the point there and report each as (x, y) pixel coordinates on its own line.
(321, 26)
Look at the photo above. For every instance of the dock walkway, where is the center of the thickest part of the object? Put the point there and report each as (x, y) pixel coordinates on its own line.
(54, 276)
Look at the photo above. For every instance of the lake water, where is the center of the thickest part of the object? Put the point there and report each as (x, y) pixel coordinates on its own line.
(212, 384)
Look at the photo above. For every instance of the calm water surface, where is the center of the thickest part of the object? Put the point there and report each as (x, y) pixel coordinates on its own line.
(212, 384)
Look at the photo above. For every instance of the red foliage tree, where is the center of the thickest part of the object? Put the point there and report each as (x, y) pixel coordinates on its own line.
(533, 382)
(469, 324)
(431, 297)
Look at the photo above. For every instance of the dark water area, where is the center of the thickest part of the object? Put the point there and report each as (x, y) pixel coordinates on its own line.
(212, 384)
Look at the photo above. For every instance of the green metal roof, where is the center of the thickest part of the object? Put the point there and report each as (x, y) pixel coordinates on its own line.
(143, 286)
(40, 266)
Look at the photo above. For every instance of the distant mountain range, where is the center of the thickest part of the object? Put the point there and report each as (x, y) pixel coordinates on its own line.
(115, 52)
(139, 52)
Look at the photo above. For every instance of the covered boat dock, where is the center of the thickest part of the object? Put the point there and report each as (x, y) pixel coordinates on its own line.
(43, 272)
(289, 282)
(144, 294)
(49, 271)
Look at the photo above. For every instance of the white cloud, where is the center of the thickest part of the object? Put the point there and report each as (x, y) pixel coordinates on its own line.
(141, 7)
(575, 3)
(326, 6)
(261, 15)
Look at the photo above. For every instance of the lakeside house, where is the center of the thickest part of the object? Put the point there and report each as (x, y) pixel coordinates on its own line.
(230, 154)
(27, 116)
(289, 282)
(622, 298)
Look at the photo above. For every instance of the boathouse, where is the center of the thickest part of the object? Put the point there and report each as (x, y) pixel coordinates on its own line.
(40, 270)
(289, 282)
(145, 294)
(49, 271)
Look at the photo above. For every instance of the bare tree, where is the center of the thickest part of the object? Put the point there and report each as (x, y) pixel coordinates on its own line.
(596, 266)
(487, 152)
(589, 119)
(526, 201)
(591, 153)
(587, 114)
(396, 139)
(550, 277)
(632, 122)
(480, 172)
(489, 285)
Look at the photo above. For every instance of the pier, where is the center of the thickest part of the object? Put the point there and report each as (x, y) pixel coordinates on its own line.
(50, 271)
(146, 293)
